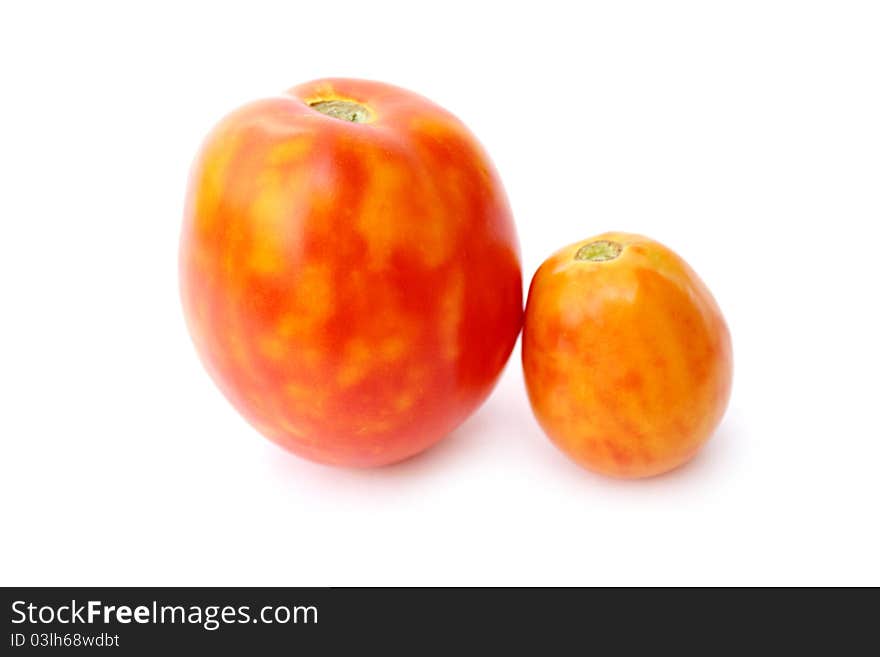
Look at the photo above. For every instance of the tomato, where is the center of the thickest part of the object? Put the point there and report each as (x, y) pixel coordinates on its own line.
(349, 270)
(627, 358)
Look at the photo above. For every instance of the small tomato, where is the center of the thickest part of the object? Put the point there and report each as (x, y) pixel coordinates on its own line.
(626, 356)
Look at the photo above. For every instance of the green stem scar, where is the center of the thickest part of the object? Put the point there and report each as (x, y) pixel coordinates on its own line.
(599, 251)
(344, 110)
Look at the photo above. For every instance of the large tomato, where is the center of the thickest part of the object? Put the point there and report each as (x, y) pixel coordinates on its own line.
(626, 355)
(349, 269)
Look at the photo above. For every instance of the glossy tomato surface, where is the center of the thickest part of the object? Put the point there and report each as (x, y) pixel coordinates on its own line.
(349, 269)
(626, 355)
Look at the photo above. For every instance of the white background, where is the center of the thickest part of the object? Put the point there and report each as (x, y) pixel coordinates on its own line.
(745, 135)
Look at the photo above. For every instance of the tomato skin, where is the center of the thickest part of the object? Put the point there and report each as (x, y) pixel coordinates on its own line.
(354, 289)
(627, 361)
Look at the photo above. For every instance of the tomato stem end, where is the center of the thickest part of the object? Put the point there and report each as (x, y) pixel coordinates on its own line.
(344, 110)
(599, 251)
